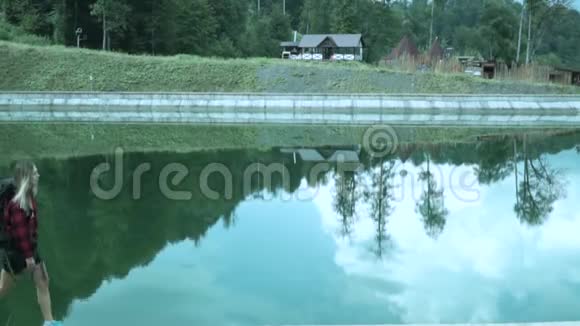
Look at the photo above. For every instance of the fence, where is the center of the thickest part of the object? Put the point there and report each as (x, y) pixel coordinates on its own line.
(530, 73)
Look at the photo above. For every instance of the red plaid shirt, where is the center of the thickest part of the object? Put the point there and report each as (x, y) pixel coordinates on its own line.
(21, 227)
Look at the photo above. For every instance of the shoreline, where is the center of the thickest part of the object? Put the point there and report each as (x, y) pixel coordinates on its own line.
(70, 140)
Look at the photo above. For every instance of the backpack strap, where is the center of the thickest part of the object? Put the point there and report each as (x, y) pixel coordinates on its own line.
(7, 192)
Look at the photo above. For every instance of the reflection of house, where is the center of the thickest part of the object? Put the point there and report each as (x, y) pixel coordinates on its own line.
(565, 76)
(335, 154)
(339, 47)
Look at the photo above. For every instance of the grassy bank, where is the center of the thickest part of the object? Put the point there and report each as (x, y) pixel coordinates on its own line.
(75, 140)
(55, 68)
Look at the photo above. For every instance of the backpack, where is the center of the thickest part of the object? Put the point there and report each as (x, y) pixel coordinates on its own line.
(7, 192)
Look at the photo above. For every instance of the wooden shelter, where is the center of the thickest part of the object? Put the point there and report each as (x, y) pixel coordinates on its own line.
(405, 48)
(566, 76)
(436, 52)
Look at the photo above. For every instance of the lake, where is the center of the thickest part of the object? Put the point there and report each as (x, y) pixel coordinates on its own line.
(428, 233)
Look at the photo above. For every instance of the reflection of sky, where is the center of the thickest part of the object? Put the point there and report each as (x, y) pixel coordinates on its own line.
(274, 266)
(485, 266)
(284, 262)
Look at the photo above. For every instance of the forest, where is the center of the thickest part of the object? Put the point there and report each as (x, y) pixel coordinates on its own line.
(540, 31)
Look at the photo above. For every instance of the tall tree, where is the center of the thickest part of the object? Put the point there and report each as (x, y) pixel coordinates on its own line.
(113, 15)
(28, 14)
(279, 27)
(529, 42)
(417, 21)
(497, 30)
(231, 20)
(316, 16)
(381, 29)
(197, 28)
(58, 19)
(344, 17)
(3, 10)
(541, 15)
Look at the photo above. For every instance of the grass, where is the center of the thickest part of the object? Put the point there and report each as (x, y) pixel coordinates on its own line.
(40, 140)
(56, 68)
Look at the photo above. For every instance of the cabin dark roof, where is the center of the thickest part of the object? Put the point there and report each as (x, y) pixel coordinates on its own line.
(567, 69)
(341, 40)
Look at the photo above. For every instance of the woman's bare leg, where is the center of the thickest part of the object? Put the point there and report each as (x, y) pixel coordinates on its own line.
(6, 283)
(42, 291)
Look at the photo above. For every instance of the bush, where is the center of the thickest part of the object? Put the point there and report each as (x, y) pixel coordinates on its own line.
(17, 35)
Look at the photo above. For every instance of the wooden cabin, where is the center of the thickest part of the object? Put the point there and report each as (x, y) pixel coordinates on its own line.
(333, 47)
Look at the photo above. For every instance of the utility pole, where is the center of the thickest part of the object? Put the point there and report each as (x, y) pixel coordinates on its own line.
(432, 17)
(520, 33)
(529, 32)
(258, 7)
(104, 28)
(284, 7)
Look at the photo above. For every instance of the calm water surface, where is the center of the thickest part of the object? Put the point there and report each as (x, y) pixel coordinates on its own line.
(485, 232)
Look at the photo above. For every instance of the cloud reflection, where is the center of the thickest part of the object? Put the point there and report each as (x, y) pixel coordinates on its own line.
(485, 266)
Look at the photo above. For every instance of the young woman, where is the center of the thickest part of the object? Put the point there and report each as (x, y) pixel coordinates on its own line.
(20, 220)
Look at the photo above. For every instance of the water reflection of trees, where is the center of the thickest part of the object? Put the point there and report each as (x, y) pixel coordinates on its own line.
(494, 159)
(538, 184)
(346, 198)
(379, 194)
(541, 185)
(431, 205)
(494, 164)
(371, 185)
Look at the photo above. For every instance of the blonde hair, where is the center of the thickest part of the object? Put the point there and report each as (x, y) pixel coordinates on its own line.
(25, 188)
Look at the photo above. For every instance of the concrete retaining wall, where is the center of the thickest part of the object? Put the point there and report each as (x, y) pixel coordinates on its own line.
(294, 100)
(289, 108)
